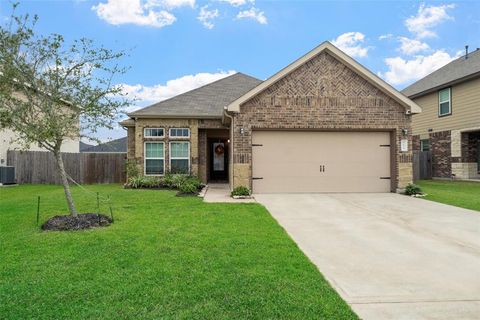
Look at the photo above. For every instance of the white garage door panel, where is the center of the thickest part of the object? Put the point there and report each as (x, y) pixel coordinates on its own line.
(290, 161)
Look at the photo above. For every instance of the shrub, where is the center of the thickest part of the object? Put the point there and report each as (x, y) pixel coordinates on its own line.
(412, 189)
(151, 182)
(188, 187)
(168, 180)
(240, 191)
(132, 169)
(178, 180)
(143, 182)
(174, 181)
(196, 181)
(135, 182)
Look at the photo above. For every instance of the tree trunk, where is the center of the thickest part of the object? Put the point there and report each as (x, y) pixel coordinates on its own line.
(66, 186)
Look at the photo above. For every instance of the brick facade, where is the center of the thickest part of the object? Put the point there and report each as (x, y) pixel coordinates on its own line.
(131, 143)
(440, 146)
(202, 155)
(322, 94)
(198, 141)
(416, 143)
(141, 124)
(467, 165)
(470, 146)
(454, 153)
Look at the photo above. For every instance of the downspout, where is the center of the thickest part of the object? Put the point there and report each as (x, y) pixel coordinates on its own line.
(225, 113)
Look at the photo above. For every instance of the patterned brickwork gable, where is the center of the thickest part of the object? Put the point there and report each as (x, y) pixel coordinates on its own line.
(322, 94)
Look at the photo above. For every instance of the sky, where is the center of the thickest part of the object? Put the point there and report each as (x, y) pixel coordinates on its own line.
(178, 45)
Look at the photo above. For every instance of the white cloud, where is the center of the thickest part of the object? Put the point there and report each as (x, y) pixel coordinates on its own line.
(237, 3)
(385, 36)
(160, 92)
(351, 44)
(206, 16)
(401, 71)
(426, 18)
(119, 12)
(170, 4)
(253, 13)
(411, 46)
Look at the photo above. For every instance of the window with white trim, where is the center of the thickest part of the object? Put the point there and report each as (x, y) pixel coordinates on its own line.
(444, 102)
(154, 158)
(179, 133)
(424, 145)
(180, 157)
(153, 132)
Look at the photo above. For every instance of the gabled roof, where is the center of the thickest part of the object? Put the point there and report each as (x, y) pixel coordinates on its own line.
(84, 146)
(117, 145)
(208, 101)
(458, 70)
(337, 53)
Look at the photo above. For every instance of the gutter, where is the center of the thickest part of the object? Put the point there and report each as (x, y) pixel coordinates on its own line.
(161, 116)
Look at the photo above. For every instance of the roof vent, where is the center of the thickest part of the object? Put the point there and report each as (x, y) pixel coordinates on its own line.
(466, 52)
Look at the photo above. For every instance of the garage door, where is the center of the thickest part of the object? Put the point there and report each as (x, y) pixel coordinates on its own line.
(300, 161)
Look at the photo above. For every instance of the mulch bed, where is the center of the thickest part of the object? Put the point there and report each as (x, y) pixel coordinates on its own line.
(82, 221)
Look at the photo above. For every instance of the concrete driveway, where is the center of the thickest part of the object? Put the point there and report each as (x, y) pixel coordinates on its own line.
(389, 256)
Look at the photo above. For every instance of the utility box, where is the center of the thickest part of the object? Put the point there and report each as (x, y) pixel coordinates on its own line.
(7, 175)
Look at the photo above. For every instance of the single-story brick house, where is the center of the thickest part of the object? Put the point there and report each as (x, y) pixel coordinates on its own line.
(324, 123)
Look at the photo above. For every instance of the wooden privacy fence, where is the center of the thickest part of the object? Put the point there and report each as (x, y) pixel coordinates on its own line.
(422, 165)
(84, 168)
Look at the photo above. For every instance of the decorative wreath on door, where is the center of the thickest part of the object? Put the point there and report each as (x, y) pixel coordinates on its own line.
(219, 150)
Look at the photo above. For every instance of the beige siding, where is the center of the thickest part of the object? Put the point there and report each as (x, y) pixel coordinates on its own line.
(9, 141)
(465, 110)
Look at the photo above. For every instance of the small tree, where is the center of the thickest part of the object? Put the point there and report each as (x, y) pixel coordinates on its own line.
(51, 91)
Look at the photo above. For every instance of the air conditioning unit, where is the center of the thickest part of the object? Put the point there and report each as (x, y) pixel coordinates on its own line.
(7, 175)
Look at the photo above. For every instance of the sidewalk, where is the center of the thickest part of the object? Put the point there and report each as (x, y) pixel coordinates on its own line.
(220, 192)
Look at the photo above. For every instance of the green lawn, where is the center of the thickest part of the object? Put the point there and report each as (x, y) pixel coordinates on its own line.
(458, 193)
(164, 257)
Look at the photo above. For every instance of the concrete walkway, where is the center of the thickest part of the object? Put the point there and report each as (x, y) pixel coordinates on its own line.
(220, 192)
(389, 256)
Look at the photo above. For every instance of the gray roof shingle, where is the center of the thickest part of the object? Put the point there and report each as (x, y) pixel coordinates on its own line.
(454, 71)
(207, 101)
(117, 145)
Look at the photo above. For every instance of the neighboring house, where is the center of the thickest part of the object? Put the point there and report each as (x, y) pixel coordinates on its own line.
(322, 124)
(449, 125)
(84, 146)
(9, 141)
(114, 146)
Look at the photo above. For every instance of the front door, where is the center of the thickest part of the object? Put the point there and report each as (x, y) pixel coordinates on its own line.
(218, 159)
